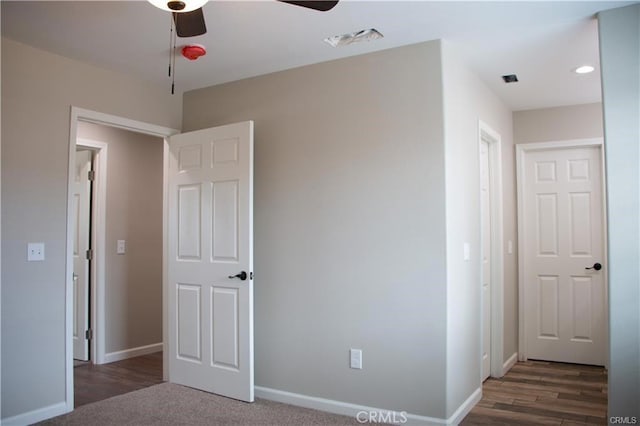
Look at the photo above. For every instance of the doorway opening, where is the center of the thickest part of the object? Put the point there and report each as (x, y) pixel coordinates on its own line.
(121, 224)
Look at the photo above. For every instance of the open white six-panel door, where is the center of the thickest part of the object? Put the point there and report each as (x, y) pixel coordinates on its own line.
(210, 260)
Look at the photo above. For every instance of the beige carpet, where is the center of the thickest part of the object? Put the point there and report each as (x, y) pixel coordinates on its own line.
(170, 404)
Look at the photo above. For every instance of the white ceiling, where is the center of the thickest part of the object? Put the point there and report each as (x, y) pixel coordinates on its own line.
(540, 41)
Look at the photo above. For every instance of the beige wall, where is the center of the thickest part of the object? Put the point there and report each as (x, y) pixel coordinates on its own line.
(560, 123)
(349, 225)
(133, 282)
(38, 89)
(466, 101)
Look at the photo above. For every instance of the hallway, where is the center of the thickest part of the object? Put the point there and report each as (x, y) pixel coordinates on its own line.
(540, 392)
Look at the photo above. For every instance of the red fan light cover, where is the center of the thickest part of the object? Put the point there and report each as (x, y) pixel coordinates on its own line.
(193, 51)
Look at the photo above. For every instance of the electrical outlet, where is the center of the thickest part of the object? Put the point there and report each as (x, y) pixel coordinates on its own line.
(355, 356)
(35, 252)
(121, 247)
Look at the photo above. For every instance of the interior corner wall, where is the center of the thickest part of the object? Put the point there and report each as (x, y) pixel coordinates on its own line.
(349, 225)
(620, 66)
(466, 101)
(38, 90)
(582, 121)
(133, 281)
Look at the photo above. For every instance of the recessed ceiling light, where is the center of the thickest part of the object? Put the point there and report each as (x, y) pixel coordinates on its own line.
(585, 69)
(362, 35)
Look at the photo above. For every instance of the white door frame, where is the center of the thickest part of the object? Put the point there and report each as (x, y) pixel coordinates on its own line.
(494, 141)
(85, 115)
(521, 151)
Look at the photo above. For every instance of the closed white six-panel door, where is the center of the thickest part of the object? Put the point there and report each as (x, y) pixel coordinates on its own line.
(210, 242)
(565, 303)
(81, 242)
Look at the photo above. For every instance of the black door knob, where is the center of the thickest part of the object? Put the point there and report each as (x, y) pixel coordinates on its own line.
(242, 275)
(595, 266)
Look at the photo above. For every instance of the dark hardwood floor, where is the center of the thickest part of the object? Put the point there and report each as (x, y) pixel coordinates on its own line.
(540, 392)
(97, 382)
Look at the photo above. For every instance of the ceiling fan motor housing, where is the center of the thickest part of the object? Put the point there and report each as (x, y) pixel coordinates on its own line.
(176, 5)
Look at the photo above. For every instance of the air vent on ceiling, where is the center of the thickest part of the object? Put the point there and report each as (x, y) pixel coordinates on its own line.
(362, 35)
(510, 78)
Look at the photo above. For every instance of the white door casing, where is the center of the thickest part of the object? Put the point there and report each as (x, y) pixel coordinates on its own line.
(485, 259)
(81, 242)
(210, 239)
(561, 233)
(492, 140)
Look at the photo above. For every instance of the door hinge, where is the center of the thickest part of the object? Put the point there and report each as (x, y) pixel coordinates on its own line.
(89, 254)
(92, 175)
(88, 335)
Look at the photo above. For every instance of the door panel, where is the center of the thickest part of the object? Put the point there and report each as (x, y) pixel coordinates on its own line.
(547, 224)
(565, 303)
(224, 339)
(580, 224)
(581, 307)
(225, 221)
(548, 307)
(188, 319)
(189, 222)
(210, 242)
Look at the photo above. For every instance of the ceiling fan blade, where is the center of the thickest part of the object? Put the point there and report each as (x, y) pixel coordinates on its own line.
(321, 5)
(190, 24)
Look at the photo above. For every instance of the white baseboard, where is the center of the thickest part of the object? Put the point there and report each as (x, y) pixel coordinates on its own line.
(352, 410)
(466, 406)
(38, 415)
(509, 363)
(133, 352)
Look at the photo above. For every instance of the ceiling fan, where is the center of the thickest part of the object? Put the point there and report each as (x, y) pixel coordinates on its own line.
(189, 19)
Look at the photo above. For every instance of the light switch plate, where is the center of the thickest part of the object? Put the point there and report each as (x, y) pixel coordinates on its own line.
(121, 247)
(355, 358)
(467, 251)
(35, 252)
